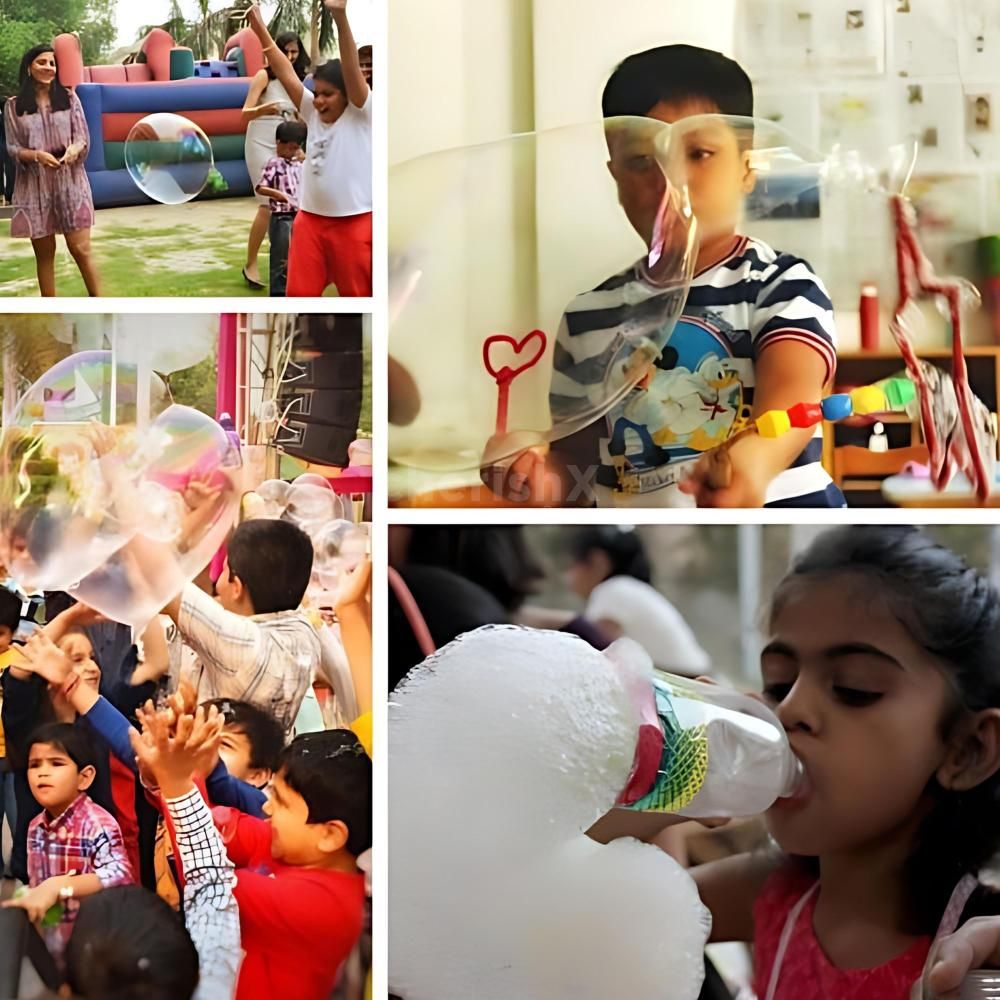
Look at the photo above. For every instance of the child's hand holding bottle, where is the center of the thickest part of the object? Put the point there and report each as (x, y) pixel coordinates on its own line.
(975, 945)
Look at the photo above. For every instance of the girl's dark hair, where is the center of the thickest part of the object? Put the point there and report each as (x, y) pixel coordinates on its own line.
(128, 944)
(332, 72)
(624, 550)
(301, 64)
(496, 557)
(27, 104)
(953, 611)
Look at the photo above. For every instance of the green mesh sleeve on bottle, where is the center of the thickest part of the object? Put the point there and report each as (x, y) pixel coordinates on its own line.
(683, 764)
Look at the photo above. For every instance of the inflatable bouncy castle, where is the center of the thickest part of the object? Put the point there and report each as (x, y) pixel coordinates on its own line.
(164, 78)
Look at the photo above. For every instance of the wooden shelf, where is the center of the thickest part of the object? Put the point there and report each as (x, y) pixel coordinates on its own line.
(843, 444)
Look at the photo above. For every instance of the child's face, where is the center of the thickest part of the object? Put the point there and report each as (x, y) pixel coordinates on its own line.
(288, 150)
(235, 751)
(715, 168)
(862, 703)
(54, 779)
(294, 840)
(330, 102)
(79, 650)
(6, 638)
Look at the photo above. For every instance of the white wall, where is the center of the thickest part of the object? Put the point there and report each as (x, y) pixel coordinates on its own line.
(578, 43)
(468, 71)
(460, 73)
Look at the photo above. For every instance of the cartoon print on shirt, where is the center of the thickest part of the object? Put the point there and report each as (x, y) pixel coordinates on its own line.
(687, 404)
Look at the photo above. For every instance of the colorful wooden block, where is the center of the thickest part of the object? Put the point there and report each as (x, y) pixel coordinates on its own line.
(805, 414)
(869, 399)
(900, 392)
(773, 424)
(837, 407)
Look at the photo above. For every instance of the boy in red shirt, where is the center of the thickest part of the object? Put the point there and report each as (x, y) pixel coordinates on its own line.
(299, 889)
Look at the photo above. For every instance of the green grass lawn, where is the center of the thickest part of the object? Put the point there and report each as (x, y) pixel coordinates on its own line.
(196, 249)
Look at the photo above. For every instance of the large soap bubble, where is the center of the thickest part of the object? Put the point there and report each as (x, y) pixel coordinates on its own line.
(169, 158)
(179, 509)
(528, 737)
(337, 548)
(310, 503)
(57, 521)
(490, 246)
(534, 290)
(118, 506)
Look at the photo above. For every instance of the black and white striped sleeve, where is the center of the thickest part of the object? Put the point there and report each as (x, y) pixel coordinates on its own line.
(210, 909)
(793, 305)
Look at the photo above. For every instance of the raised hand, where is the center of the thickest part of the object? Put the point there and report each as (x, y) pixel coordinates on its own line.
(256, 22)
(43, 657)
(199, 492)
(355, 584)
(173, 748)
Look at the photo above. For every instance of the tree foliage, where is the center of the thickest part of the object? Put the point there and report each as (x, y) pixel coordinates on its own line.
(207, 33)
(26, 23)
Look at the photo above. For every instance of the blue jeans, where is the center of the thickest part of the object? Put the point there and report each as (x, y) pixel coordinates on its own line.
(279, 232)
(8, 811)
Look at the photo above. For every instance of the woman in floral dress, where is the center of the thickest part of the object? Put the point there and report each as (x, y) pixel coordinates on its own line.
(47, 135)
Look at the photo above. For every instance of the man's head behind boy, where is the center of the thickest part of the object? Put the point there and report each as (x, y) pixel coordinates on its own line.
(267, 568)
(321, 799)
(669, 83)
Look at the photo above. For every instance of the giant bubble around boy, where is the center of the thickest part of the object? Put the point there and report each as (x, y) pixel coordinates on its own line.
(536, 283)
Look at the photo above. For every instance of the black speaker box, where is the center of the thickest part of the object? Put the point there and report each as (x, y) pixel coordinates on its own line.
(320, 396)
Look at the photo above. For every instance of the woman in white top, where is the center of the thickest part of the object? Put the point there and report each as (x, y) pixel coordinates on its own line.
(332, 234)
(267, 106)
(611, 572)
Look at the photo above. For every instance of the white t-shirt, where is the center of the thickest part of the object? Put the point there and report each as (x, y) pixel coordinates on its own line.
(646, 616)
(337, 174)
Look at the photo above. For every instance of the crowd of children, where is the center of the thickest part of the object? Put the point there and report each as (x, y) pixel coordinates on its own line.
(173, 836)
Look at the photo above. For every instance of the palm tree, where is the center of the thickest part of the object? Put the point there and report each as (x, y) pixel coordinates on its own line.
(304, 16)
(208, 33)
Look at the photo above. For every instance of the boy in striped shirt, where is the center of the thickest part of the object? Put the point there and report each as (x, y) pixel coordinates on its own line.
(756, 331)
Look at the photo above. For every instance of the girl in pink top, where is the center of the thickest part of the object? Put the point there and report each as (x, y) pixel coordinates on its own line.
(47, 136)
(883, 665)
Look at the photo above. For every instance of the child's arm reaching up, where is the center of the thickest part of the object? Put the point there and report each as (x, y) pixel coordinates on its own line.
(276, 59)
(354, 615)
(354, 78)
(170, 749)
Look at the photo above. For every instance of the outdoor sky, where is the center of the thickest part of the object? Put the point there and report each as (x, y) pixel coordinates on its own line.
(132, 16)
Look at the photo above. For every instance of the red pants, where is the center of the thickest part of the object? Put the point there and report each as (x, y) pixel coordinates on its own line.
(330, 251)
